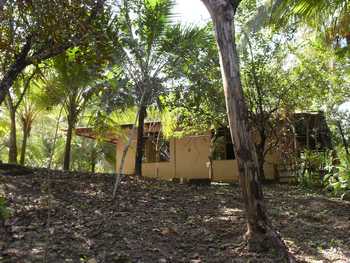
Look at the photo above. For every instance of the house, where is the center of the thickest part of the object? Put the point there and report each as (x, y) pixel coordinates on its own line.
(188, 157)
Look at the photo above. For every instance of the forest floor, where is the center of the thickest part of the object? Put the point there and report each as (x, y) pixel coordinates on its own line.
(69, 217)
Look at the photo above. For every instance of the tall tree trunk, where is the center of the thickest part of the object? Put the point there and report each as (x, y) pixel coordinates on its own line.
(140, 140)
(260, 232)
(13, 138)
(261, 161)
(67, 149)
(24, 143)
(260, 152)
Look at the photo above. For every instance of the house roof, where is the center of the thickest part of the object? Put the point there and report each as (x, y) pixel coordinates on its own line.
(149, 126)
(92, 134)
(112, 137)
(311, 129)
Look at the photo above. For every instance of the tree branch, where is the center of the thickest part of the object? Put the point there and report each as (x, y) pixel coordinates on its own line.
(26, 86)
(16, 68)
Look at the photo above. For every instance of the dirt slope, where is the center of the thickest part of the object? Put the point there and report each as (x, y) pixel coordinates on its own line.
(154, 221)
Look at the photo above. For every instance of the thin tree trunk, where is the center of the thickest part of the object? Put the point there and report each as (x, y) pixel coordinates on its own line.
(122, 160)
(211, 154)
(140, 141)
(13, 138)
(67, 150)
(121, 166)
(24, 143)
(260, 232)
(55, 138)
(345, 143)
(93, 161)
(93, 165)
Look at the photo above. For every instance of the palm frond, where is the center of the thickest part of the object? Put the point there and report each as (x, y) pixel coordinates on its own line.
(154, 21)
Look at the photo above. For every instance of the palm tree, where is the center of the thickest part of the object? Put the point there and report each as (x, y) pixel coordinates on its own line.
(332, 17)
(34, 102)
(148, 43)
(14, 100)
(72, 84)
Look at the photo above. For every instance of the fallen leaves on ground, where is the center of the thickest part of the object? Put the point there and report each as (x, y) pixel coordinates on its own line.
(69, 217)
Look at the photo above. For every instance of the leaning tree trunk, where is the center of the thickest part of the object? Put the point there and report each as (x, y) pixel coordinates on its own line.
(13, 138)
(140, 140)
(260, 233)
(67, 150)
(24, 143)
(15, 69)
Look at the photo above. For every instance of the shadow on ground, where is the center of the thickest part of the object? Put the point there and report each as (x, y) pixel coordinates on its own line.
(69, 217)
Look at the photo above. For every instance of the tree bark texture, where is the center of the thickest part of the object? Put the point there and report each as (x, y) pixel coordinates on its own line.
(24, 144)
(13, 138)
(123, 157)
(140, 140)
(67, 149)
(211, 154)
(16, 68)
(12, 154)
(260, 232)
(260, 151)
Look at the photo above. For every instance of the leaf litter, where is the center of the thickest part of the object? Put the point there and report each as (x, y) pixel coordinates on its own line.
(70, 217)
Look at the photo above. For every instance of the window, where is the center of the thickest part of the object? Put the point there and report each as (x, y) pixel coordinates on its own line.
(312, 131)
(223, 147)
(156, 148)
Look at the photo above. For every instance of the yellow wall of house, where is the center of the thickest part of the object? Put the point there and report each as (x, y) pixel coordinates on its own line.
(192, 157)
(225, 171)
(129, 163)
(189, 159)
(161, 170)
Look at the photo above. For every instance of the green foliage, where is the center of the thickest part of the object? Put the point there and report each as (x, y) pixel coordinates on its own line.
(313, 166)
(4, 127)
(106, 63)
(196, 104)
(33, 31)
(96, 155)
(325, 170)
(337, 179)
(328, 15)
(4, 211)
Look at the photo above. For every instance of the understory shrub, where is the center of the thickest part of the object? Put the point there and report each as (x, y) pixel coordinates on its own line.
(329, 170)
(312, 168)
(337, 179)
